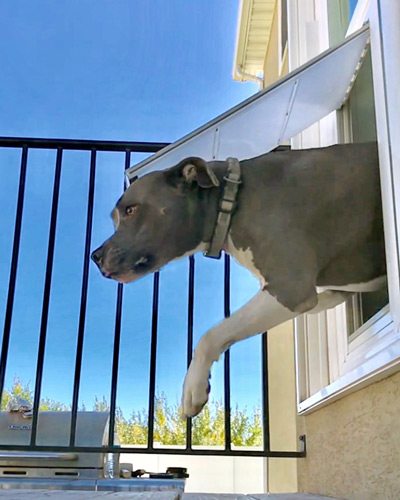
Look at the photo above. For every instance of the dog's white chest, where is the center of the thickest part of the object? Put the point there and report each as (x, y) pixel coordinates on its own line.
(245, 258)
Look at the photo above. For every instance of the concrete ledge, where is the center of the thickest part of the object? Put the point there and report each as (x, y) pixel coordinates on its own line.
(276, 496)
(22, 494)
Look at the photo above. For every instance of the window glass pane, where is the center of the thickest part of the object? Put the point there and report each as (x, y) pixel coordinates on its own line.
(362, 307)
(361, 105)
(340, 13)
(360, 109)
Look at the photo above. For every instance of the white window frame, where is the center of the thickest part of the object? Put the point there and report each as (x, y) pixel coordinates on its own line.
(329, 364)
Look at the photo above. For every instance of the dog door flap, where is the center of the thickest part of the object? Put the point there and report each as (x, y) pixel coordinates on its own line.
(273, 115)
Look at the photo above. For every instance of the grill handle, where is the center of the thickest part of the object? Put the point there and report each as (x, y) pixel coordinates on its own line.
(9, 455)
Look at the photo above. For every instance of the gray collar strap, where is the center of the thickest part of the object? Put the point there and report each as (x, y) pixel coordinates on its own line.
(226, 208)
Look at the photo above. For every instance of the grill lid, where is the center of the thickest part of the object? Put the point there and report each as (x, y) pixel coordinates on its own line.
(53, 430)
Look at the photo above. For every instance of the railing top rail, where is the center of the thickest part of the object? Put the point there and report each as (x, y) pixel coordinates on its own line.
(82, 144)
(162, 450)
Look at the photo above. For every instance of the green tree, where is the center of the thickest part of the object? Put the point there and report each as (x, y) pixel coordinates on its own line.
(21, 390)
(18, 390)
(101, 404)
(169, 427)
(48, 404)
(133, 430)
(244, 430)
(208, 428)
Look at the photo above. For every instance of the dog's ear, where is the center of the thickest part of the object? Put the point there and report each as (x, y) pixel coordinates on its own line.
(192, 171)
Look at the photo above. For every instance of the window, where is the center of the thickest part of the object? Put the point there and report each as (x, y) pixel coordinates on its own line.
(341, 349)
(358, 125)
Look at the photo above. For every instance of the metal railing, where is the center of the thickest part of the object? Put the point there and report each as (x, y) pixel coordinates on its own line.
(24, 145)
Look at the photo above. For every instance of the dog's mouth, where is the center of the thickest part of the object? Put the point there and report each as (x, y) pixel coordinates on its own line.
(143, 264)
(127, 273)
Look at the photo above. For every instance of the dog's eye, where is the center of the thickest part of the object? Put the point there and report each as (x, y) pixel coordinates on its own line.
(131, 210)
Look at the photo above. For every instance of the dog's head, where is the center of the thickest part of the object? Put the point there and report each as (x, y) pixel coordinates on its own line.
(160, 217)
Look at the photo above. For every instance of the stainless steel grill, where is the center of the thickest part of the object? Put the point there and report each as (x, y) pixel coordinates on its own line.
(70, 470)
(54, 430)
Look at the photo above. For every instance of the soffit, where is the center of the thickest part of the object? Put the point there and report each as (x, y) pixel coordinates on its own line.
(254, 28)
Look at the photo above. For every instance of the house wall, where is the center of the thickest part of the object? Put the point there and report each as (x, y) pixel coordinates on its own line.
(353, 445)
(282, 472)
(275, 66)
(271, 62)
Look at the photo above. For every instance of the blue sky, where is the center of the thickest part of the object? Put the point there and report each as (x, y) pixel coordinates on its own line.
(114, 70)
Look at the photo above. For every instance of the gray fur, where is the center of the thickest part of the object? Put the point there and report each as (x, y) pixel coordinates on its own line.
(309, 217)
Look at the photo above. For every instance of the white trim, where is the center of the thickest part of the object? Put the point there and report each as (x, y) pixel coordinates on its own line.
(370, 330)
(385, 46)
(374, 336)
(379, 364)
(328, 365)
(360, 15)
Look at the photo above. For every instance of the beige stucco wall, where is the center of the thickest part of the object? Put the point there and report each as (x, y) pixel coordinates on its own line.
(353, 445)
(282, 472)
(271, 62)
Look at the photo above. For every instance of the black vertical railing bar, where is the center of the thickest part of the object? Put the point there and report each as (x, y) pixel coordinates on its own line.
(83, 304)
(46, 294)
(117, 341)
(227, 369)
(153, 360)
(13, 268)
(115, 364)
(190, 338)
(265, 393)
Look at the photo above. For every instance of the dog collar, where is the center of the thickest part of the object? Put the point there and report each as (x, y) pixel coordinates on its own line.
(226, 208)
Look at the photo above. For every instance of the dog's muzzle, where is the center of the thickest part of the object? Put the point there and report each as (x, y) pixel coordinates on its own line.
(97, 257)
(114, 263)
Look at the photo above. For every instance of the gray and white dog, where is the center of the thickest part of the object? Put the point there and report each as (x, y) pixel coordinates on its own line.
(307, 223)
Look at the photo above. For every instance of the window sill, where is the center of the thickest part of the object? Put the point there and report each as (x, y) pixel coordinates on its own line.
(379, 360)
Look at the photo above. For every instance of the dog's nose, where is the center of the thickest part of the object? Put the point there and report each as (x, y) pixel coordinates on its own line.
(97, 256)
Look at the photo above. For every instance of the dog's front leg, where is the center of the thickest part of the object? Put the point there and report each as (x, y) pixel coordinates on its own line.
(261, 313)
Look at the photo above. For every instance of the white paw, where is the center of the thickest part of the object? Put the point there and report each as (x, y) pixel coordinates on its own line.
(195, 389)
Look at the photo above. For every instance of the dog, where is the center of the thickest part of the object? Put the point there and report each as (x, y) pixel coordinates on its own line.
(307, 223)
